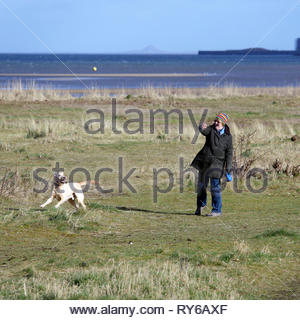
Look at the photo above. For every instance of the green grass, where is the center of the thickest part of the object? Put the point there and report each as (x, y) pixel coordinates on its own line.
(125, 246)
(276, 233)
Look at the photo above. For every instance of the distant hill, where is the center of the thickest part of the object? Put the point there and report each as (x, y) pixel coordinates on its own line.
(147, 50)
(249, 51)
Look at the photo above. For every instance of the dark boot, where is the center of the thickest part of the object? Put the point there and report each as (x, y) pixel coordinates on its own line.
(199, 209)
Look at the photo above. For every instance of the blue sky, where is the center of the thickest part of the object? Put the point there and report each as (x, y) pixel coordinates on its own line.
(107, 26)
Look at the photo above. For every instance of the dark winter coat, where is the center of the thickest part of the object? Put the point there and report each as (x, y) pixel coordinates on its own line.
(216, 154)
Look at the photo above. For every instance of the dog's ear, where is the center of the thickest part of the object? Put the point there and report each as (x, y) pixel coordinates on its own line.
(59, 175)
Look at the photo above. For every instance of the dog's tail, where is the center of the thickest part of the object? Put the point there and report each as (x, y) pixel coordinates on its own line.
(84, 183)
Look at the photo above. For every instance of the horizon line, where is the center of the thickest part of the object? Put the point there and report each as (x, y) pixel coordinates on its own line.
(146, 53)
(117, 53)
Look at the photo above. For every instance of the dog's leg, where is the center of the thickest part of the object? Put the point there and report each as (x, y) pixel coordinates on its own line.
(80, 198)
(47, 202)
(82, 203)
(60, 203)
(73, 203)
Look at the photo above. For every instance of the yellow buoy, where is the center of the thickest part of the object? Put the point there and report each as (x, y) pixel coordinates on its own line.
(94, 69)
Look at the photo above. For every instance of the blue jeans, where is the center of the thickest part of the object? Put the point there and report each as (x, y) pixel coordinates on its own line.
(215, 188)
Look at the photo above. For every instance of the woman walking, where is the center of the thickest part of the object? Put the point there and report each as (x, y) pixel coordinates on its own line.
(211, 161)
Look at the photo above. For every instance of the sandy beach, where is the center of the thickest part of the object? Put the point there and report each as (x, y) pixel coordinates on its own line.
(96, 75)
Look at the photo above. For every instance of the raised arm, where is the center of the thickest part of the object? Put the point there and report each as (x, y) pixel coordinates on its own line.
(204, 129)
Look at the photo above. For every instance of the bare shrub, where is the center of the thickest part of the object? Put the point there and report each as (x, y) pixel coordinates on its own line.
(288, 169)
(243, 155)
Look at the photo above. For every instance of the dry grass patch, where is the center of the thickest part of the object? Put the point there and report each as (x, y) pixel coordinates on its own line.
(18, 91)
(123, 280)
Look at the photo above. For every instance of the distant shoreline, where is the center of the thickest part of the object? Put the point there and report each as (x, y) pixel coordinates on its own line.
(97, 75)
(250, 51)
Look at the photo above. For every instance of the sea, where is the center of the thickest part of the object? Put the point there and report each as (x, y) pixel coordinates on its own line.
(113, 70)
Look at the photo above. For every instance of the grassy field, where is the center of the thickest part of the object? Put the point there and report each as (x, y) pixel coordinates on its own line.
(125, 245)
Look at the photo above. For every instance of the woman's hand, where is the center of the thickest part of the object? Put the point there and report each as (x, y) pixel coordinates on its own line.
(204, 126)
